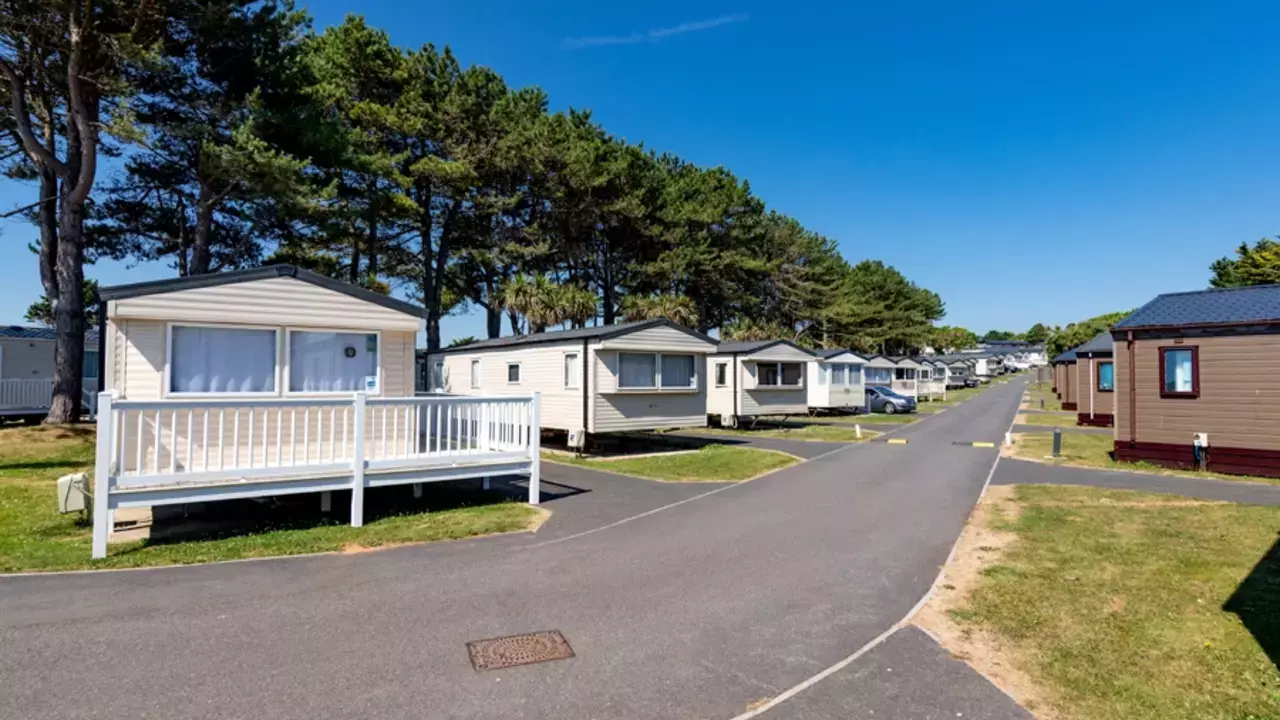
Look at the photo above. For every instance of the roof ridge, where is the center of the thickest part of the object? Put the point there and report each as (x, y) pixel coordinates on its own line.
(1205, 291)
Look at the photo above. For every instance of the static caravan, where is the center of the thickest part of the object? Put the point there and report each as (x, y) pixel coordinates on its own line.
(1096, 382)
(958, 371)
(26, 370)
(1198, 365)
(1067, 390)
(906, 377)
(764, 377)
(632, 376)
(275, 381)
(836, 380)
(931, 379)
(878, 372)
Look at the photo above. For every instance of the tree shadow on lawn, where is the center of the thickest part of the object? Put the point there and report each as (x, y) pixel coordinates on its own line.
(172, 524)
(1257, 603)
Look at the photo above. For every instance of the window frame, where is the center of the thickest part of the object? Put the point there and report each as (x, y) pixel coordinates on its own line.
(778, 365)
(720, 374)
(1195, 373)
(572, 381)
(476, 368)
(657, 386)
(1097, 376)
(167, 379)
(287, 367)
(519, 372)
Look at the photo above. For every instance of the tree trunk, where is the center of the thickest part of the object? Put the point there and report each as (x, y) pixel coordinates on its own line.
(353, 274)
(493, 310)
(68, 313)
(440, 263)
(514, 317)
(200, 254)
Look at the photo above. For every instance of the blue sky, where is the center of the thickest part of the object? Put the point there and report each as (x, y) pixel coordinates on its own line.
(1030, 161)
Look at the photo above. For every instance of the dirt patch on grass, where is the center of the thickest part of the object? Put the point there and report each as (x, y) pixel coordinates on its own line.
(981, 546)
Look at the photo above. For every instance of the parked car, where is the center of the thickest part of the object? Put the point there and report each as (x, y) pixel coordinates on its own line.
(972, 382)
(884, 400)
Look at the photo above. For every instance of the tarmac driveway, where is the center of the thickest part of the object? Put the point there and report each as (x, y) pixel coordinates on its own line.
(696, 611)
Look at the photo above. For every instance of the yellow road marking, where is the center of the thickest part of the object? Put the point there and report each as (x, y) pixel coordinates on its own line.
(897, 441)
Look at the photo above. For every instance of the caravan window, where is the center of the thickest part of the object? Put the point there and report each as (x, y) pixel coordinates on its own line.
(321, 362)
(1106, 377)
(1180, 372)
(221, 360)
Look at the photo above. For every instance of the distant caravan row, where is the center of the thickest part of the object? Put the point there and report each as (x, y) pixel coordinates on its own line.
(655, 374)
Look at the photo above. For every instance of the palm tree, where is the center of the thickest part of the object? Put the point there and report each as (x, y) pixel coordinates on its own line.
(575, 305)
(676, 308)
(543, 303)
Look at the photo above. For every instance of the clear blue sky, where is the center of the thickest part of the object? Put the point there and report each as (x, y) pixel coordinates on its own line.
(1030, 161)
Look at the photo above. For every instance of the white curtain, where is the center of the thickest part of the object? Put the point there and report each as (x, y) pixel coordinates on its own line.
(475, 374)
(1178, 375)
(331, 362)
(838, 374)
(222, 360)
(636, 370)
(677, 371)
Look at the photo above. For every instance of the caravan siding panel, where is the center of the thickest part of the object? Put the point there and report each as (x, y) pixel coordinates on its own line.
(660, 339)
(1091, 401)
(1239, 402)
(1069, 390)
(142, 359)
(541, 370)
(26, 359)
(774, 402)
(280, 301)
(396, 357)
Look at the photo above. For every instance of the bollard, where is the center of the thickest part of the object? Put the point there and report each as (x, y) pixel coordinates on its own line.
(1008, 438)
(1041, 403)
(1057, 442)
(857, 431)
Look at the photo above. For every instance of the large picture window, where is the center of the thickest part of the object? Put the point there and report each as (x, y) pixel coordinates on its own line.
(221, 360)
(657, 371)
(1180, 372)
(779, 374)
(838, 376)
(1106, 377)
(332, 362)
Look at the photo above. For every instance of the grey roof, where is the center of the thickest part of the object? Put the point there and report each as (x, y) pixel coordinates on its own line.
(750, 346)
(600, 332)
(1101, 343)
(119, 292)
(32, 332)
(832, 352)
(1219, 306)
(1068, 356)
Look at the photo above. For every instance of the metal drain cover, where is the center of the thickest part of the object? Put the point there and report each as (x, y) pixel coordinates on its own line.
(513, 650)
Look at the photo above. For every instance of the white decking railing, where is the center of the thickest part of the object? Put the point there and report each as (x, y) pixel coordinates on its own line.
(25, 394)
(905, 387)
(175, 451)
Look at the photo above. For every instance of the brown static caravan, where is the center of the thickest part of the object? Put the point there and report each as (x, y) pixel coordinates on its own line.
(1096, 382)
(1067, 392)
(1201, 362)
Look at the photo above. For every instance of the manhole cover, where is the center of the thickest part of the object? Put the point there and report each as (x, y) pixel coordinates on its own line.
(513, 650)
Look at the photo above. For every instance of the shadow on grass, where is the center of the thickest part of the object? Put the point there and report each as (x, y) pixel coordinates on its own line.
(69, 465)
(241, 518)
(1257, 603)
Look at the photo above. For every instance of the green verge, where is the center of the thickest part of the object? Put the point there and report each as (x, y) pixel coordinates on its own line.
(1138, 606)
(1090, 450)
(808, 432)
(875, 419)
(1049, 420)
(33, 537)
(1036, 392)
(712, 463)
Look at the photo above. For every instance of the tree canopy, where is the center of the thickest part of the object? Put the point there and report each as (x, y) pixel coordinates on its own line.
(1078, 333)
(246, 136)
(1257, 264)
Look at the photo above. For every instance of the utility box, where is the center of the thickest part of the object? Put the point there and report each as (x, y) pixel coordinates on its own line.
(577, 438)
(73, 493)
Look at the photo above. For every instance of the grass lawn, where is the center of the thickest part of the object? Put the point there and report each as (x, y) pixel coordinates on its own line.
(1049, 420)
(875, 419)
(1043, 390)
(34, 537)
(1088, 450)
(1130, 605)
(810, 432)
(711, 463)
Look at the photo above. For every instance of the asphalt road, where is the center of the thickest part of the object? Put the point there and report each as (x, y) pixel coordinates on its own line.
(1023, 472)
(728, 596)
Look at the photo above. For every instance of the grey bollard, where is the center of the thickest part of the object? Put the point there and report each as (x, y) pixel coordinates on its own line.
(1057, 442)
